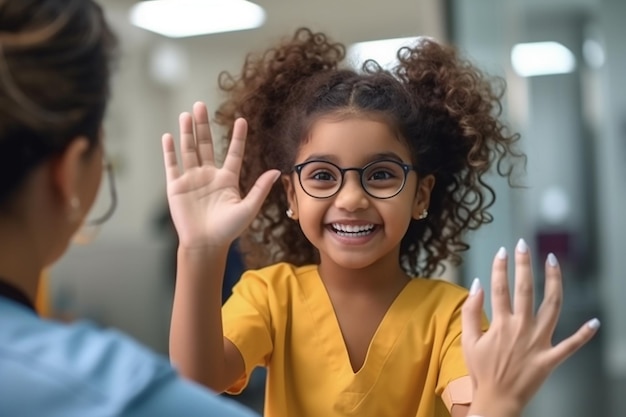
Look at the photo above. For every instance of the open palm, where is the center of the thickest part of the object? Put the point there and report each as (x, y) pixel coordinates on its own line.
(509, 362)
(204, 200)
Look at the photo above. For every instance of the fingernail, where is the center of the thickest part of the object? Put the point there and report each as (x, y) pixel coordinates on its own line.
(475, 287)
(594, 324)
(501, 253)
(277, 175)
(522, 247)
(552, 261)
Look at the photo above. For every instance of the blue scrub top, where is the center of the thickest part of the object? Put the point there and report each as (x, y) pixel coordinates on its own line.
(78, 370)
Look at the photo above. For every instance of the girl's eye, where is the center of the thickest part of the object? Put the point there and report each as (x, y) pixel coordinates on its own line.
(381, 175)
(323, 176)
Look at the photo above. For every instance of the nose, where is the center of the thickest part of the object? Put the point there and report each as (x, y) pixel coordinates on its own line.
(352, 197)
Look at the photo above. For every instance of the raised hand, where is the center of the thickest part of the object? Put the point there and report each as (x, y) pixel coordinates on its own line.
(510, 361)
(204, 200)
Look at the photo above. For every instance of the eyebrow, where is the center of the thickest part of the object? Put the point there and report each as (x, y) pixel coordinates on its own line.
(370, 158)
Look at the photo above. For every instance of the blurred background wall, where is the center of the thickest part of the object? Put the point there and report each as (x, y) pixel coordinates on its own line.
(573, 128)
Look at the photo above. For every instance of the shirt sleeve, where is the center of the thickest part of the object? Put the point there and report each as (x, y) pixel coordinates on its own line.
(178, 397)
(454, 384)
(247, 324)
(78, 370)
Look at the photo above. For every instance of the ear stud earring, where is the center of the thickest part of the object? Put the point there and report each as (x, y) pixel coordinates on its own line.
(423, 215)
(289, 213)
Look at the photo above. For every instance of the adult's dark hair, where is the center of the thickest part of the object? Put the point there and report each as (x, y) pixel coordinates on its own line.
(55, 65)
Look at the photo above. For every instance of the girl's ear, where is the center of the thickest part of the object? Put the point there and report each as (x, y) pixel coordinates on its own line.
(290, 191)
(422, 197)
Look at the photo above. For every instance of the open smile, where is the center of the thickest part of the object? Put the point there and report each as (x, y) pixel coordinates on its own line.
(350, 230)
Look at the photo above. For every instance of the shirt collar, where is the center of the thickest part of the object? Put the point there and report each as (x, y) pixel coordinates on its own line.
(13, 293)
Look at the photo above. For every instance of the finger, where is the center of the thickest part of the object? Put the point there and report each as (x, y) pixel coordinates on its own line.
(188, 150)
(523, 303)
(471, 315)
(237, 147)
(204, 140)
(260, 190)
(169, 158)
(500, 298)
(569, 346)
(548, 314)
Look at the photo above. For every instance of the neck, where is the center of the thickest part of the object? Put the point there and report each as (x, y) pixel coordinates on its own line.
(20, 264)
(384, 275)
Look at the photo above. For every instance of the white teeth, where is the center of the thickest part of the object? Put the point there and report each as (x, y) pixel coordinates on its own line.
(352, 228)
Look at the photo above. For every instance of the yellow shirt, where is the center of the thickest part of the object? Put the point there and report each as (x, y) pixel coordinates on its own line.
(281, 317)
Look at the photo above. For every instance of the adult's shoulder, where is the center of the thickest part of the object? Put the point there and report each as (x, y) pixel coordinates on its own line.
(80, 369)
(82, 359)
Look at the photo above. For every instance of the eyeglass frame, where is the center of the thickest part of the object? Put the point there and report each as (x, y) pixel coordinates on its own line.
(98, 221)
(406, 168)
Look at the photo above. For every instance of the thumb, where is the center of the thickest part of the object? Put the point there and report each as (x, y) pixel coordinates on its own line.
(471, 315)
(261, 189)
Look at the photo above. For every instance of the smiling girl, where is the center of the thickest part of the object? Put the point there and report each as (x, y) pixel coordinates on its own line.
(381, 173)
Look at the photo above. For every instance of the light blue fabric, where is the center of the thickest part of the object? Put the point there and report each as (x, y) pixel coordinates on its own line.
(57, 370)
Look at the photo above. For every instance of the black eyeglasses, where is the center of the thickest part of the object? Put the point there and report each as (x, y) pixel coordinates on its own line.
(88, 232)
(112, 197)
(380, 179)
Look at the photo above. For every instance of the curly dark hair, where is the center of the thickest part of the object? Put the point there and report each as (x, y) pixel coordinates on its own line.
(56, 58)
(442, 106)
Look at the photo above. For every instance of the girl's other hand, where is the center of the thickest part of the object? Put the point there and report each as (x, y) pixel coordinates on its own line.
(510, 361)
(204, 200)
